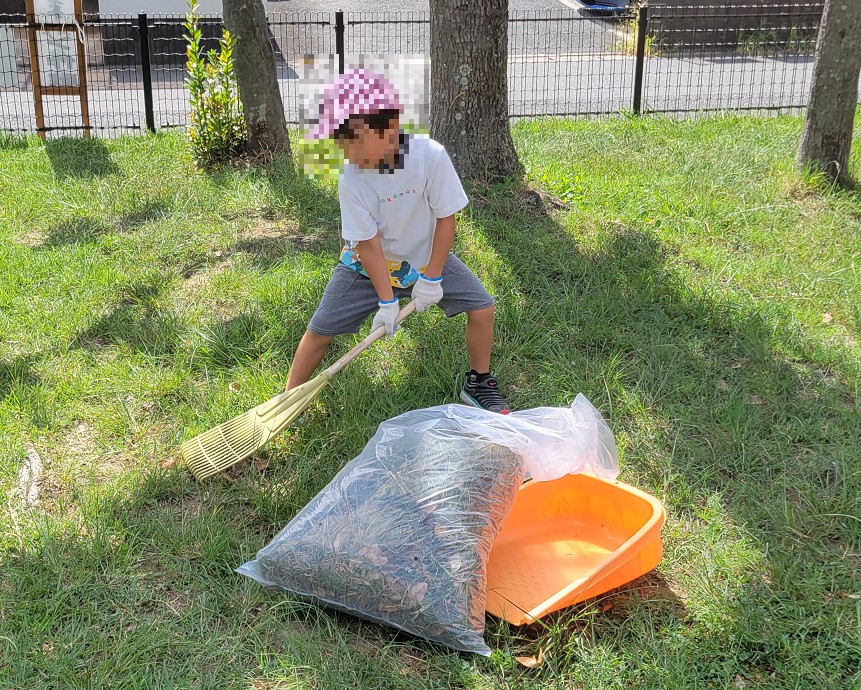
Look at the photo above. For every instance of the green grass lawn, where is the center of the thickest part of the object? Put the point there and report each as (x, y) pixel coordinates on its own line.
(704, 296)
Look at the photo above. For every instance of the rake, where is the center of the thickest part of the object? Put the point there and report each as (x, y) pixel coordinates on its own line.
(234, 440)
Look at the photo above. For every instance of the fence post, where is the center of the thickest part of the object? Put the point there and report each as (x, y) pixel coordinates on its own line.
(642, 23)
(339, 39)
(143, 28)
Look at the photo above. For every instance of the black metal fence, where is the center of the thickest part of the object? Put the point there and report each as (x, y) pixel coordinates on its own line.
(561, 62)
(722, 57)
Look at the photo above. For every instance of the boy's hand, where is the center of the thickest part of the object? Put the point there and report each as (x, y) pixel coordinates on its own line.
(386, 316)
(427, 292)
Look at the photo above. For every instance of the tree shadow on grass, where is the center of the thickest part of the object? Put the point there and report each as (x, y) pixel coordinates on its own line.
(80, 158)
(83, 230)
(724, 404)
(23, 389)
(18, 373)
(302, 217)
(268, 244)
(719, 407)
(235, 342)
(10, 141)
(136, 320)
(88, 230)
(148, 590)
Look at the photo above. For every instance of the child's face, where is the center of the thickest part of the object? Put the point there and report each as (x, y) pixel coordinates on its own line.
(369, 148)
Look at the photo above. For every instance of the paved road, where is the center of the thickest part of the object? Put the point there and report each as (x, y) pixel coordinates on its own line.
(538, 85)
(545, 27)
(380, 6)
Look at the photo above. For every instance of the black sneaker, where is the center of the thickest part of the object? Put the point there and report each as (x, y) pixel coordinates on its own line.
(482, 390)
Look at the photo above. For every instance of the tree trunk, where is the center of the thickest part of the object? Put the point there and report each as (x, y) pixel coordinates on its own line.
(256, 76)
(469, 87)
(827, 135)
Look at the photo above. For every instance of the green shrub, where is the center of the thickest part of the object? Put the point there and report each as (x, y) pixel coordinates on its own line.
(217, 130)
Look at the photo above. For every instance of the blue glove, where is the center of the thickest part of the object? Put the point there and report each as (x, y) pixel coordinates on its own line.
(427, 292)
(386, 315)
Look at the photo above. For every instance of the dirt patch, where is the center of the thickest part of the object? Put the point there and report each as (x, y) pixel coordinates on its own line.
(195, 283)
(412, 662)
(268, 241)
(176, 601)
(81, 448)
(805, 193)
(31, 238)
(190, 506)
(539, 200)
(266, 229)
(150, 567)
(80, 441)
(151, 574)
(52, 487)
(369, 649)
(197, 280)
(79, 457)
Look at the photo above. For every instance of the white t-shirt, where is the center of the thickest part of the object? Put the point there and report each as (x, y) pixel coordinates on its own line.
(401, 206)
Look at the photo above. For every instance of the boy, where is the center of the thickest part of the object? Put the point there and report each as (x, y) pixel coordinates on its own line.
(398, 196)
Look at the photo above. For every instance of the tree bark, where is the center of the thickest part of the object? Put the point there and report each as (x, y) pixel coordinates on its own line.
(469, 87)
(257, 78)
(827, 135)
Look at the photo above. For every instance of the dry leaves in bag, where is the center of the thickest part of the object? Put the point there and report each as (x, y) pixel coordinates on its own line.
(401, 536)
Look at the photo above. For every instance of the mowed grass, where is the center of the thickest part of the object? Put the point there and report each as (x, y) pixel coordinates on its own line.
(695, 288)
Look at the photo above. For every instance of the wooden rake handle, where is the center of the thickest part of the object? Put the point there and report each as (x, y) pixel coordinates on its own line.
(367, 342)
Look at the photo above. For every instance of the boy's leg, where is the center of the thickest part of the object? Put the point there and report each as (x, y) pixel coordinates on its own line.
(480, 387)
(463, 292)
(479, 338)
(312, 348)
(347, 301)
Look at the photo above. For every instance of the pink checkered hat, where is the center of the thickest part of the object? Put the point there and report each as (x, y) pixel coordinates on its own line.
(356, 92)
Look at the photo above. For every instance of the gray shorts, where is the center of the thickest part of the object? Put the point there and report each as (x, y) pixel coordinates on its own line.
(350, 297)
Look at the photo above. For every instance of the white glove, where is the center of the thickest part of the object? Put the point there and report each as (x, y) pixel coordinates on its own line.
(385, 316)
(427, 292)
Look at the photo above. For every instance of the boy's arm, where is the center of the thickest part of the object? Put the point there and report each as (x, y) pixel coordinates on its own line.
(371, 255)
(442, 241)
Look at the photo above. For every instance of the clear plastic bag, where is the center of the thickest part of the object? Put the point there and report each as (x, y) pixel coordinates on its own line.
(553, 441)
(402, 535)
